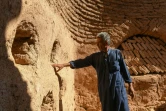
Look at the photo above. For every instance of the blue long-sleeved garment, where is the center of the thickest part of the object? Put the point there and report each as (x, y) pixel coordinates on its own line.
(112, 72)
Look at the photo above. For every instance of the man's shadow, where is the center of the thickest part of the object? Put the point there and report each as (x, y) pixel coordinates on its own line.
(13, 90)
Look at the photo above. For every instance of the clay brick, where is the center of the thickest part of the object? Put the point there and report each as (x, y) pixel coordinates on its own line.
(146, 54)
(132, 54)
(131, 41)
(163, 48)
(144, 46)
(147, 61)
(124, 46)
(141, 40)
(152, 61)
(154, 54)
(160, 42)
(80, 40)
(138, 70)
(142, 70)
(140, 47)
(155, 60)
(125, 55)
(128, 48)
(145, 40)
(164, 60)
(154, 40)
(157, 42)
(159, 54)
(130, 45)
(153, 47)
(147, 71)
(129, 56)
(136, 39)
(149, 39)
(142, 54)
(159, 68)
(163, 68)
(160, 61)
(150, 67)
(90, 41)
(136, 53)
(142, 61)
(131, 71)
(135, 46)
(157, 46)
(148, 46)
(134, 62)
(134, 70)
(150, 53)
(127, 62)
(156, 69)
(163, 52)
(138, 61)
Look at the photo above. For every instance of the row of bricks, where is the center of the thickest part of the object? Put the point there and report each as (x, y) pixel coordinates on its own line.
(73, 27)
(143, 54)
(146, 39)
(140, 61)
(145, 69)
(73, 17)
(142, 46)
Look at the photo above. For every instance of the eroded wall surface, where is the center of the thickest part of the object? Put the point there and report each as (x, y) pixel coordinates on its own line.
(32, 38)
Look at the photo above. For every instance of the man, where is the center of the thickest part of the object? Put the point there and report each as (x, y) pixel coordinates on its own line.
(111, 71)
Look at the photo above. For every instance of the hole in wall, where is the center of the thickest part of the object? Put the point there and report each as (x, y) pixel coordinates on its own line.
(48, 102)
(24, 48)
(55, 47)
(144, 54)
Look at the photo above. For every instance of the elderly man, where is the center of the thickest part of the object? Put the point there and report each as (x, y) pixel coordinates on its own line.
(111, 71)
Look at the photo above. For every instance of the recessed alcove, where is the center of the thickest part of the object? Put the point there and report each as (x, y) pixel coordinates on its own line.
(55, 47)
(48, 102)
(144, 54)
(24, 47)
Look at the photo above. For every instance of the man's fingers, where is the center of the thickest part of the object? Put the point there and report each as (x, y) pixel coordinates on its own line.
(58, 69)
(132, 95)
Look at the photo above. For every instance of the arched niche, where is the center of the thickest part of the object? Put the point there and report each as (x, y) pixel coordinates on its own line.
(144, 54)
(24, 47)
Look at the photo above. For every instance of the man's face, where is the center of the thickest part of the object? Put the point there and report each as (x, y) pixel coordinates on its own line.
(102, 45)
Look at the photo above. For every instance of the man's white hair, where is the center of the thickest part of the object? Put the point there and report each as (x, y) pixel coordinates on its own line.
(105, 36)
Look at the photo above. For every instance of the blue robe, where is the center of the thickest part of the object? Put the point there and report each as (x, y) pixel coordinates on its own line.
(111, 73)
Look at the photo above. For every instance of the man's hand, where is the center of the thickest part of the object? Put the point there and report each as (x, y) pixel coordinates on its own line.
(131, 91)
(60, 66)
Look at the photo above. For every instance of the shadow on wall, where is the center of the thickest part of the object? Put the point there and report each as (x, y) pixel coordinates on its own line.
(13, 90)
(161, 108)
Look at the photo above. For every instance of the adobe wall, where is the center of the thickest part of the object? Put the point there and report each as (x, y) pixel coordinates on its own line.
(32, 37)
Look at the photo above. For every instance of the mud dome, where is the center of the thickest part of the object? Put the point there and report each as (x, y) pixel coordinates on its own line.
(35, 34)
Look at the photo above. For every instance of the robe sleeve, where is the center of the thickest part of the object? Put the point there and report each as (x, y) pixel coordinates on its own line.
(79, 63)
(124, 70)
